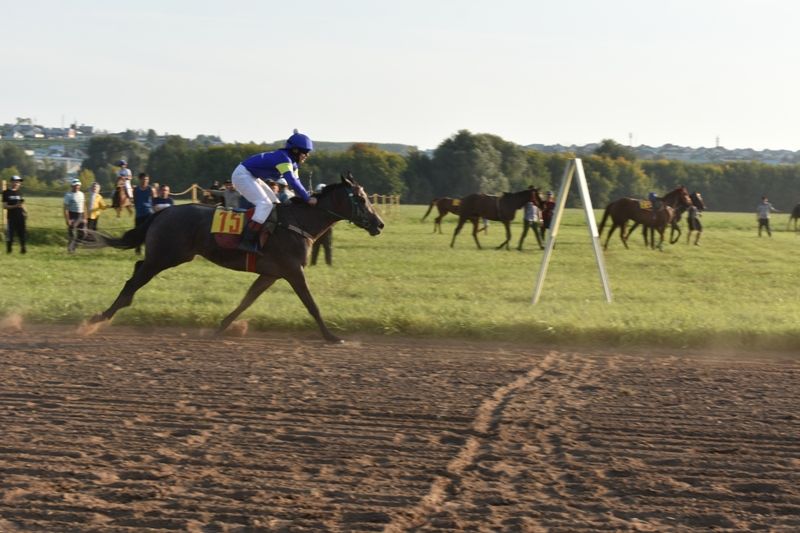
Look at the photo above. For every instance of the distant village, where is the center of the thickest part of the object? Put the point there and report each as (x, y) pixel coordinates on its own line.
(67, 146)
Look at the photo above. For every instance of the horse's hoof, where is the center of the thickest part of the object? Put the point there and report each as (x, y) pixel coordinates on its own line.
(99, 317)
(334, 340)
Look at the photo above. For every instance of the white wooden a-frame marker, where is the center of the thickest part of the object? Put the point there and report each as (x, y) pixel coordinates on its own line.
(574, 166)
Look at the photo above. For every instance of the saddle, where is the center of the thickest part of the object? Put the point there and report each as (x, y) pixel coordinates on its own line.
(647, 205)
(228, 225)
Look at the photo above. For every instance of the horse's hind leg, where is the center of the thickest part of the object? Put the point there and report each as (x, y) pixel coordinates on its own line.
(460, 225)
(142, 273)
(262, 283)
(475, 232)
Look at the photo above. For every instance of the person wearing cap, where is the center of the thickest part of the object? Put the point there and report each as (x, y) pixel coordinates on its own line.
(14, 204)
(548, 206)
(230, 196)
(284, 194)
(324, 241)
(74, 214)
(248, 179)
(95, 206)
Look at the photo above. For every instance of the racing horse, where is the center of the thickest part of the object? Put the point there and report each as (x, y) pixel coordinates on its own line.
(501, 208)
(679, 200)
(444, 205)
(120, 199)
(794, 217)
(174, 236)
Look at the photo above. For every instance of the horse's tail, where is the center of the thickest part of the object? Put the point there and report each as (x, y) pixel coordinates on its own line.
(603, 222)
(430, 208)
(130, 239)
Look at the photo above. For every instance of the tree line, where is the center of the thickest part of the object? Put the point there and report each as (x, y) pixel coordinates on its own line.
(462, 164)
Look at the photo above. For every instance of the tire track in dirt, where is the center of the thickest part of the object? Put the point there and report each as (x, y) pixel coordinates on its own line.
(487, 417)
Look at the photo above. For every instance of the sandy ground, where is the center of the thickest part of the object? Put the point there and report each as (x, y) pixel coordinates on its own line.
(167, 430)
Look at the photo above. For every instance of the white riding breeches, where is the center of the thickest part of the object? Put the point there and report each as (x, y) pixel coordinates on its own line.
(255, 191)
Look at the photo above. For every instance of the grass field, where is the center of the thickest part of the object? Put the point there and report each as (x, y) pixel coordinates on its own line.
(734, 291)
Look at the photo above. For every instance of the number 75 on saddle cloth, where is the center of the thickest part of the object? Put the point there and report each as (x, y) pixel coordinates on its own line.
(228, 221)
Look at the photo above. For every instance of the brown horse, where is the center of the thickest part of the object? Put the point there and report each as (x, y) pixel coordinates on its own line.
(120, 199)
(500, 208)
(679, 200)
(444, 205)
(176, 235)
(794, 217)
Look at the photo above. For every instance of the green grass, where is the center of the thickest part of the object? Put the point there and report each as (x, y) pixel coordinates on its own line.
(735, 290)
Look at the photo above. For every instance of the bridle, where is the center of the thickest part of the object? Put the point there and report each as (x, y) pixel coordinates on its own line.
(360, 215)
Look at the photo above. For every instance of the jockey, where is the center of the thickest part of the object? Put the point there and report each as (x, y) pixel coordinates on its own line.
(281, 163)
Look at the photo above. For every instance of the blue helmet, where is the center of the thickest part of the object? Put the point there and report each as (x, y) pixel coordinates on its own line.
(121, 163)
(300, 141)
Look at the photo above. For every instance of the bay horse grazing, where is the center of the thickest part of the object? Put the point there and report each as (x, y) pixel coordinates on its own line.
(174, 236)
(794, 217)
(444, 205)
(500, 208)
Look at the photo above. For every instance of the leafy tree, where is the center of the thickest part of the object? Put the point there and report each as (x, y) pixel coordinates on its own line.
(14, 156)
(465, 164)
(418, 177)
(104, 151)
(173, 163)
(613, 150)
(52, 172)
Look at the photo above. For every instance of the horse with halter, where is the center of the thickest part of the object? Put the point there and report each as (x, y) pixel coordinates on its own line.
(499, 208)
(175, 235)
(697, 202)
(794, 217)
(625, 209)
(444, 205)
(679, 200)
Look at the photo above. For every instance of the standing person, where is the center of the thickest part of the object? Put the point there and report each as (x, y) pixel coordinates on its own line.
(143, 196)
(693, 216)
(230, 196)
(762, 213)
(547, 211)
(95, 205)
(74, 214)
(531, 220)
(162, 201)
(281, 163)
(14, 204)
(325, 241)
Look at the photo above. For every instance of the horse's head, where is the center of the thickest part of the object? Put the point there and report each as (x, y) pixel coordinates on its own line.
(348, 201)
(697, 201)
(535, 197)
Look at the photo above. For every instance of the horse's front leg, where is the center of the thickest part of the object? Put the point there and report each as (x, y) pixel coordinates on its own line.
(460, 225)
(262, 283)
(508, 236)
(298, 282)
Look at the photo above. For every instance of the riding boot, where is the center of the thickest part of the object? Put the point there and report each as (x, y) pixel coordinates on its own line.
(250, 238)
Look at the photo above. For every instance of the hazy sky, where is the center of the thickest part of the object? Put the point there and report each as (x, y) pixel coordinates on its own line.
(412, 72)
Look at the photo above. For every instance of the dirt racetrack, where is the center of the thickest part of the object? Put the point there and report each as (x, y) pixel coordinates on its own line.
(166, 430)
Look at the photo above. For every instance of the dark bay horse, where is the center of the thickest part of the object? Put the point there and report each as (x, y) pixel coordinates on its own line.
(444, 205)
(175, 235)
(679, 201)
(794, 217)
(699, 203)
(500, 208)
